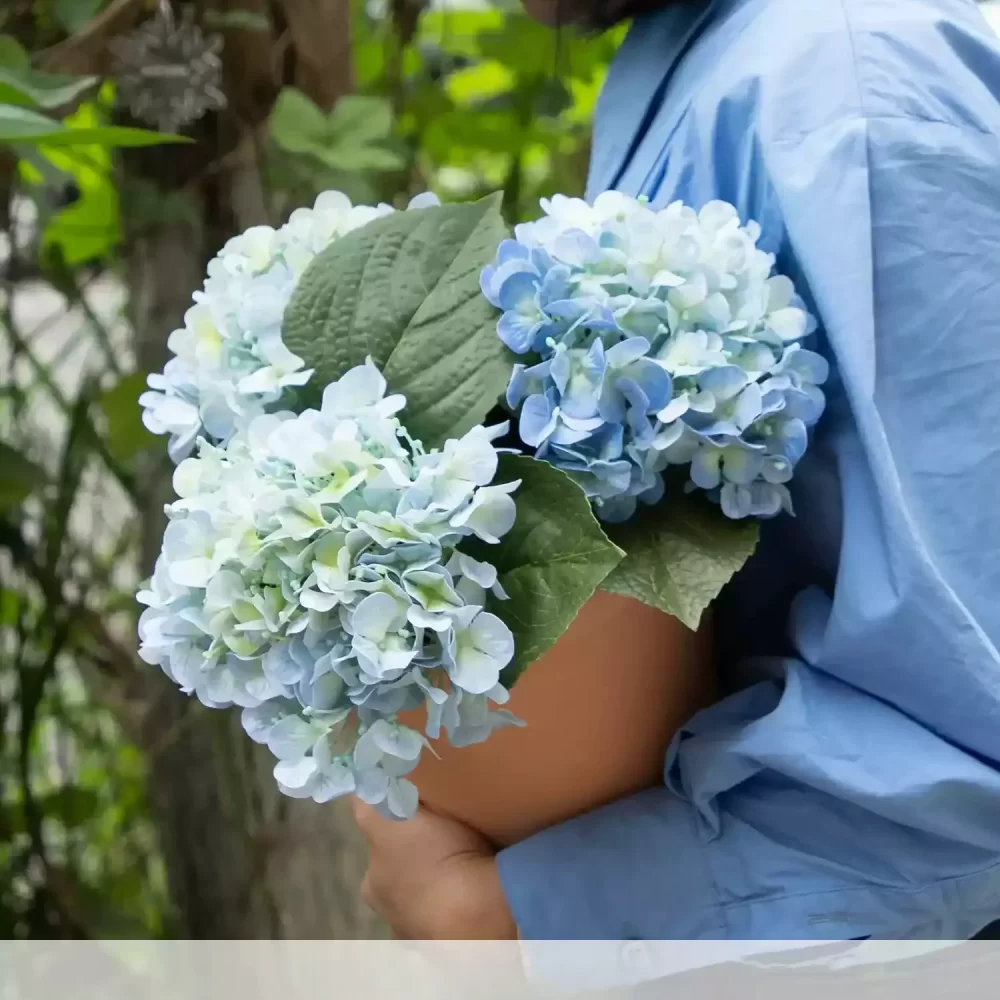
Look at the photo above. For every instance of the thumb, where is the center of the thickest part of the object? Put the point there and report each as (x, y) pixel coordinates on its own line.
(425, 834)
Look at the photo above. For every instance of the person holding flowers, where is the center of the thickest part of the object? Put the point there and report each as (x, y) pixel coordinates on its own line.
(849, 786)
(634, 572)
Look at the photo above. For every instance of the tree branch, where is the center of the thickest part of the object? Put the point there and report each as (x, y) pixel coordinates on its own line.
(321, 37)
(114, 657)
(86, 53)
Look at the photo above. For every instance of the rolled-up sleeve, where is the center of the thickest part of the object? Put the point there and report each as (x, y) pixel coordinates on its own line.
(856, 792)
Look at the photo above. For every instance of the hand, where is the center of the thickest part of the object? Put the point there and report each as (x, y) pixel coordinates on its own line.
(432, 878)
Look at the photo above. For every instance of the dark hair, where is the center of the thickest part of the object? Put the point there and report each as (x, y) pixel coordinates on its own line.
(597, 15)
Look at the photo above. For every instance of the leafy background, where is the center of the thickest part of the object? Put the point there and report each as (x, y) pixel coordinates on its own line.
(126, 809)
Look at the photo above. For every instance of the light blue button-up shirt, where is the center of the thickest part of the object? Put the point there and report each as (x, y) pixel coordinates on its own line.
(853, 788)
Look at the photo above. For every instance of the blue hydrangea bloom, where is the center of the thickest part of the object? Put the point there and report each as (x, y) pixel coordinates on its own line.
(524, 283)
(656, 338)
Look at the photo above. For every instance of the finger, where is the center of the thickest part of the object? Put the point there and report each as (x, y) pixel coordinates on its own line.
(379, 897)
(366, 817)
(367, 892)
(425, 835)
(391, 833)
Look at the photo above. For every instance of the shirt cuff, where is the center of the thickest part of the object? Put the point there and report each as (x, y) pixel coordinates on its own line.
(616, 886)
(643, 869)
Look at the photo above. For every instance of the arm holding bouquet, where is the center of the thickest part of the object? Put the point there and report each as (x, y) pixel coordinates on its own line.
(852, 788)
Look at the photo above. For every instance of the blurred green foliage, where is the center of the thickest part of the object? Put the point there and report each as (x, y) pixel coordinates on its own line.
(475, 101)
(462, 102)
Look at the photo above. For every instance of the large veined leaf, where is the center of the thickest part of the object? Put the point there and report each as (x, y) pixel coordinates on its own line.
(680, 556)
(552, 560)
(404, 290)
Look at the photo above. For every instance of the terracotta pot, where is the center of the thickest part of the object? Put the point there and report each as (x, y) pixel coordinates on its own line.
(601, 707)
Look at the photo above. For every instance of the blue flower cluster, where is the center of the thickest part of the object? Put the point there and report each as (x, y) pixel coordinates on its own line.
(656, 338)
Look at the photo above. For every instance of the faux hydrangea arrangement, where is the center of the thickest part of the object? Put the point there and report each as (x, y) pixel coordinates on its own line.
(349, 543)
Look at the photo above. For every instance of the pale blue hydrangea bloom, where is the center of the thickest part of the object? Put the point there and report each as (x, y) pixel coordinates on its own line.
(656, 338)
(230, 363)
(312, 573)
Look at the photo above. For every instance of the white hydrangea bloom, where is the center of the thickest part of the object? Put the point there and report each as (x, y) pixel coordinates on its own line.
(311, 573)
(230, 364)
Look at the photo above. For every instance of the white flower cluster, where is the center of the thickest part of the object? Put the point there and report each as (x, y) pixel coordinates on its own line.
(311, 573)
(230, 363)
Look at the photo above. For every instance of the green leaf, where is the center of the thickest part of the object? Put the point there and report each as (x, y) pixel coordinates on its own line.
(114, 136)
(369, 61)
(71, 805)
(126, 434)
(680, 556)
(22, 125)
(532, 50)
(87, 230)
(72, 15)
(360, 157)
(360, 136)
(12, 54)
(297, 125)
(19, 124)
(355, 136)
(21, 477)
(20, 84)
(45, 90)
(361, 119)
(551, 561)
(405, 290)
(457, 31)
(480, 82)
(10, 602)
(479, 131)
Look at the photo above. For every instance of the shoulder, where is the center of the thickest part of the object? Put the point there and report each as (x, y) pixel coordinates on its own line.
(797, 66)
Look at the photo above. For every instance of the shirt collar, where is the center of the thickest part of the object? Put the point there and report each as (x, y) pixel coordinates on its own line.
(636, 82)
